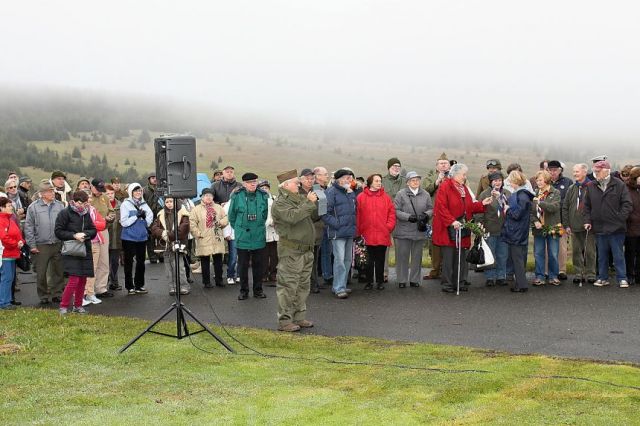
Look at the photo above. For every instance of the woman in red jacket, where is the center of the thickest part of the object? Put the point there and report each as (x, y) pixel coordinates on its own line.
(454, 205)
(12, 241)
(375, 220)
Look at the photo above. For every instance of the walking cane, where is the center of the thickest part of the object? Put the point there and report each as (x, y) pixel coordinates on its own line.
(584, 257)
(459, 246)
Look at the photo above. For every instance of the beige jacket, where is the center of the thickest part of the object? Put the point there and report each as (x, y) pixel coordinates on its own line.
(209, 241)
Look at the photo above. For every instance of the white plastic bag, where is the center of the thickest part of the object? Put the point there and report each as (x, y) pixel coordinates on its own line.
(488, 254)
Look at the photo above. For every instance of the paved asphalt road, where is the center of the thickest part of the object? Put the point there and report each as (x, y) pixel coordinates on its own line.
(587, 322)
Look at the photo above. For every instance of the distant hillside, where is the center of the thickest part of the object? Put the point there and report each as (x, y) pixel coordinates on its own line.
(92, 134)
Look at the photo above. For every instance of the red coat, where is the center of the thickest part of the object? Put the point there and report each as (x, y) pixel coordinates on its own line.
(10, 235)
(448, 207)
(375, 217)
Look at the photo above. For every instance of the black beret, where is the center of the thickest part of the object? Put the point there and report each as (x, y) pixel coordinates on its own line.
(249, 176)
(342, 172)
(554, 164)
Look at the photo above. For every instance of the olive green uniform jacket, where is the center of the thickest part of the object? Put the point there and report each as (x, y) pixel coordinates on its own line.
(551, 208)
(392, 185)
(293, 218)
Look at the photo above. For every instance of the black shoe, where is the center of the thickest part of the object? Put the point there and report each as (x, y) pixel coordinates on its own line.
(519, 290)
(448, 289)
(153, 262)
(16, 303)
(161, 259)
(369, 286)
(402, 285)
(115, 287)
(414, 285)
(56, 299)
(501, 282)
(464, 288)
(576, 280)
(490, 283)
(220, 284)
(208, 285)
(190, 280)
(104, 295)
(243, 296)
(562, 276)
(259, 295)
(465, 283)
(511, 278)
(591, 280)
(380, 287)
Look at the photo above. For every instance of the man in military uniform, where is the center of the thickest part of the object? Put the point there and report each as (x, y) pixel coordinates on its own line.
(120, 193)
(292, 216)
(443, 165)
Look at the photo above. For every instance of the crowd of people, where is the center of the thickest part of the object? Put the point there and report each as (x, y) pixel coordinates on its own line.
(319, 230)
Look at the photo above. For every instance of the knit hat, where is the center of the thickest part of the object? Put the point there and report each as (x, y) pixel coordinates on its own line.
(495, 175)
(57, 174)
(393, 161)
(343, 172)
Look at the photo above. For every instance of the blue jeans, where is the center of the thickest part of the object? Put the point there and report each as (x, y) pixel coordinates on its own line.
(500, 251)
(325, 258)
(615, 243)
(233, 259)
(7, 272)
(551, 246)
(342, 255)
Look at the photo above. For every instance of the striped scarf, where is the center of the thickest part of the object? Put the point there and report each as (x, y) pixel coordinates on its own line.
(211, 215)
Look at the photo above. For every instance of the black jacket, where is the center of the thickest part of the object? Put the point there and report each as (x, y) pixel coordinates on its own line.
(607, 211)
(67, 224)
(222, 190)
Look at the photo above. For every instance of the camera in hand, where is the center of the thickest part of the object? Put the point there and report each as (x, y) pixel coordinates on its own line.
(252, 217)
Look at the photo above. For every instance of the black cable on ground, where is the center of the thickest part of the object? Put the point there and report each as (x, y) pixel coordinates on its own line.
(387, 365)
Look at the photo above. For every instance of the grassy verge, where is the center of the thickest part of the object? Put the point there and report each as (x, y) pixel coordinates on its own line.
(62, 370)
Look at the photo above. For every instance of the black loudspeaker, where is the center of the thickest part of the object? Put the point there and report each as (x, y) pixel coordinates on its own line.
(176, 166)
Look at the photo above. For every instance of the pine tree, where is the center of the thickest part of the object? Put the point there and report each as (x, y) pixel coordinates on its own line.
(76, 153)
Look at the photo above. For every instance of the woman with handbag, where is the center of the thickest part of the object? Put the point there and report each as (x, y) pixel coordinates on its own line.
(454, 206)
(375, 220)
(135, 217)
(413, 209)
(163, 229)
(75, 229)
(12, 241)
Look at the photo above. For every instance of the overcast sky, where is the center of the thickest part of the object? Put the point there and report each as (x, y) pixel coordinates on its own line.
(548, 68)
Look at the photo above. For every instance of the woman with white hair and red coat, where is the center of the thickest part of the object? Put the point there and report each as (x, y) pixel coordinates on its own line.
(454, 206)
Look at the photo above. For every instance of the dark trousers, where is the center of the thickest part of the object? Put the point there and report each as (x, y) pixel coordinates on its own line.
(632, 258)
(518, 255)
(450, 266)
(271, 260)
(377, 256)
(256, 257)
(134, 249)
(314, 283)
(152, 255)
(114, 264)
(205, 264)
(49, 261)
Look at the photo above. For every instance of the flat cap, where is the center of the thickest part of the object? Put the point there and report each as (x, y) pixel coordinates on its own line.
(57, 174)
(249, 176)
(342, 172)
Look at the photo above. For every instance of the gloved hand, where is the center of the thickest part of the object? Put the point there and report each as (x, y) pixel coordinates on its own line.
(413, 218)
(142, 214)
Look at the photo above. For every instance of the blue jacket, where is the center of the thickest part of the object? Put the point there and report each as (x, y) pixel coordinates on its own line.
(515, 230)
(134, 228)
(341, 213)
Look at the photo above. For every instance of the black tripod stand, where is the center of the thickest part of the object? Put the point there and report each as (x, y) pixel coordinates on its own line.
(178, 306)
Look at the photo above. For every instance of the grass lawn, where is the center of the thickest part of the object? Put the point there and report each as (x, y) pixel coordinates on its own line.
(57, 370)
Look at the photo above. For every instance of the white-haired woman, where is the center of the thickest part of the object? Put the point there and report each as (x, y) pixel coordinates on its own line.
(454, 206)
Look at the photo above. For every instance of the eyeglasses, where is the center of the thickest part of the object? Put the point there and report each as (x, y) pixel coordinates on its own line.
(624, 174)
(492, 163)
(11, 187)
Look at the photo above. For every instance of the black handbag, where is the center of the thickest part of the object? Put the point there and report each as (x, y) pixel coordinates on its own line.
(422, 221)
(24, 261)
(475, 255)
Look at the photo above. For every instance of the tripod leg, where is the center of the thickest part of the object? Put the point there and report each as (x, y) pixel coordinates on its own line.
(208, 330)
(135, 339)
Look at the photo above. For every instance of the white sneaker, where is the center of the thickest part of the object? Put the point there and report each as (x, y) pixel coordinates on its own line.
(63, 311)
(601, 283)
(237, 280)
(231, 281)
(93, 299)
(85, 301)
(624, 284)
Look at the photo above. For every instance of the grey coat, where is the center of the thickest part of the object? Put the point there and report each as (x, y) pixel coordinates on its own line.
(405, 202)
(40, 222)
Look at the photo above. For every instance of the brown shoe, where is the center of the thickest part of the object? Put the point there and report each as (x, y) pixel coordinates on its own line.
(431, 276)
(289, 327)
(304, 324)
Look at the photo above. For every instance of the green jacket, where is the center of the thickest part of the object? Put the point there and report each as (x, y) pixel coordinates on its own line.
(292, 216)
(572, 216)
(392, 184)
(248, 216)
(551, 208)
(490, 219)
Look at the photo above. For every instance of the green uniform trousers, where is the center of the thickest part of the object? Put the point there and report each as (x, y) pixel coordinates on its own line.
(49, 270)
(292, 289)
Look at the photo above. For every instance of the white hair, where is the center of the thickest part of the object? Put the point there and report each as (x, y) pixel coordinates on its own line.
(583, 166)
(456, 169)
